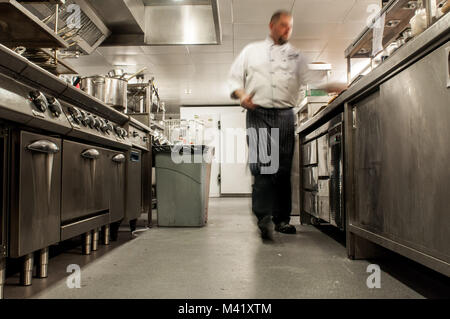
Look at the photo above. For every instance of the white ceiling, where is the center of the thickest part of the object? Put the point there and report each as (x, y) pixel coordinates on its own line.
(322, 30)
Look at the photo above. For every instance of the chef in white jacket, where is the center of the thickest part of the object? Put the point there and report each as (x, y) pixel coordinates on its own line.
(266, 78)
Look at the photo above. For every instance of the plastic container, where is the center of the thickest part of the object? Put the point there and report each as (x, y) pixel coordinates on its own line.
(182, 185)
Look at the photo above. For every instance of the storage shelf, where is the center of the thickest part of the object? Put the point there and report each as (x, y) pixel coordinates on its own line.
(21, 28)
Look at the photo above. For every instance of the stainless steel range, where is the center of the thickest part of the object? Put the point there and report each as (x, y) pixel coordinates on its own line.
(66, 155)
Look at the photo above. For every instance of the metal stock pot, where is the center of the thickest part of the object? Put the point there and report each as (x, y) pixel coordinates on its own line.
(110, 90)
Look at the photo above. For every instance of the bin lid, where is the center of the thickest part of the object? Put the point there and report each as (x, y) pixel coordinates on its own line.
(180, 149)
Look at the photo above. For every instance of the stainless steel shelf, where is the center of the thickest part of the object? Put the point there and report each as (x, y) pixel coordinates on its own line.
(19, 27)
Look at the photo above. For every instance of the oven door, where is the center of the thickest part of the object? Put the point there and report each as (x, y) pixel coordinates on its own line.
(85, 188)
(115, 164)
(35, 203)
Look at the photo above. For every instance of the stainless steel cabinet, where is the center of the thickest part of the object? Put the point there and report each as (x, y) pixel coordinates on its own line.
(36, 187)
(401, 172)
(84, 182)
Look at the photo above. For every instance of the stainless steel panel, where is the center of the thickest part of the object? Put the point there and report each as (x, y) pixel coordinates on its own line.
(309, 153)
(295, 178)
(44, 79)
(13, 103)
(115, 163)
(121, 16)
(77, 228)
(335, 156)
(310, 203)
(183, 24)
(323, 200)
(83, 183)
(322, 156)
(147, 185)
(11, 60)
(134, 185)
(35, 207)
(4, 191)
(401, 158)
(310, 178)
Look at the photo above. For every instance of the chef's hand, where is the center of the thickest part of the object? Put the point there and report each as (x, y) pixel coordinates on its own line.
(247, 102)
(245, 99)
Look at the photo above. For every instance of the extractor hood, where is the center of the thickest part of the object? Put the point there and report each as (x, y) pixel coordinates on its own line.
(160, 22)
(182, 22)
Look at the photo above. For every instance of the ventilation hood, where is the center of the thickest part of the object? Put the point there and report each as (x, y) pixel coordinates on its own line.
(182, 22)
(160, 22)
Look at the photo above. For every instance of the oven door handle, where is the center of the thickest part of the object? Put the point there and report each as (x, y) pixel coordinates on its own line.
(43, 146)
(119, 158)
(91, 154)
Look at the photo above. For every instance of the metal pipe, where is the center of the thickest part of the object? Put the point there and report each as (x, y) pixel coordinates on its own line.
(26, 274)
(56, 18)
(42, 266)
(106, 235)
(87, 243)
(2, 275)
(95, 237)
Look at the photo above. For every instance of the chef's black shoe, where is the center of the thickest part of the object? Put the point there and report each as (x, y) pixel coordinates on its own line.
(285, 228)
(266, 227)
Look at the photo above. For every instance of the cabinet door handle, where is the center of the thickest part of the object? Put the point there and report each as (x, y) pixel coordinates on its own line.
(43, 146)
(119, 158)
(91, 154)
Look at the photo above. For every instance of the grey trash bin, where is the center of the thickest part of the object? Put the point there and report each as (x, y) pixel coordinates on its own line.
(182, 188)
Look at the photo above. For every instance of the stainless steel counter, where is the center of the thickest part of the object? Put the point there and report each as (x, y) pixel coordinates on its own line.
(396, 128)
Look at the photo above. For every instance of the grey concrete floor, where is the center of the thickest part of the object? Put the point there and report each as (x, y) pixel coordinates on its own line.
(227, 259)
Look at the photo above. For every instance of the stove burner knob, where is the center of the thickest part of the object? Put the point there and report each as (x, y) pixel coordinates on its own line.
(76, 114)
(145, 138)
(103, 126)
(135, 134)
(90, 121)
(118, 129)
(97, 123)
(83, 118)
(109, 127)
(54, 106)
(38, 101)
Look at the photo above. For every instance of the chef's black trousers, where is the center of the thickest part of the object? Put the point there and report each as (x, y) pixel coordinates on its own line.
(272, 192)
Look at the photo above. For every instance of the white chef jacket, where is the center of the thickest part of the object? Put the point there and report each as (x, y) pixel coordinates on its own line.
(273, 72)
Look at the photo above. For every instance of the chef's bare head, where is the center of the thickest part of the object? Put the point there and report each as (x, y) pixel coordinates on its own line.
(281, 26)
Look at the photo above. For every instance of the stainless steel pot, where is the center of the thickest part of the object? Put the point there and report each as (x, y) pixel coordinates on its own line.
(110, 90)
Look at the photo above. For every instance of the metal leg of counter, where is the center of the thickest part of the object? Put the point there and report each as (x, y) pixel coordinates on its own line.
(87, 243)
(42, 266)
(95, 237)
(26, 273)
(105, 233)
(2, 275)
